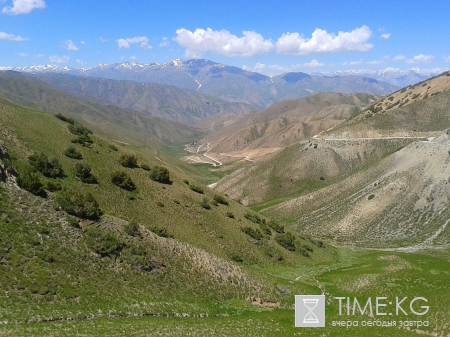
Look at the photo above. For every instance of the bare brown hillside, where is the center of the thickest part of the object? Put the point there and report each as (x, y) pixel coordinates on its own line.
(282, 124)
(401, 200)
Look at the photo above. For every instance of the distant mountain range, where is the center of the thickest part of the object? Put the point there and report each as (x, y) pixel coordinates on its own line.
(227, 82)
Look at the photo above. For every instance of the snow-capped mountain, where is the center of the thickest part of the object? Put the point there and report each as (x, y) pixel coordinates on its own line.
(228, 82)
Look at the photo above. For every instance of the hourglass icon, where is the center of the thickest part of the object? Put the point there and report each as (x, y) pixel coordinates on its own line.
(310, 304)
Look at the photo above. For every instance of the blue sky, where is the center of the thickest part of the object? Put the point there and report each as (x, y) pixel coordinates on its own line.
(271, 37)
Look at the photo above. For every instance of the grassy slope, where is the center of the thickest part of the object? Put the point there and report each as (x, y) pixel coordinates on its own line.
(61, 277)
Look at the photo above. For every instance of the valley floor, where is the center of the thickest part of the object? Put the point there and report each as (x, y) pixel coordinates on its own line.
(355, 273)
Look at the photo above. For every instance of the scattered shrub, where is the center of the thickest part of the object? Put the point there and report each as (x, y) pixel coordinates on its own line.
(186, 181)
(103, 244)
(128, 160)
(255, 233)
(123, 180)
(254, 218)
(286, 240)
(132, 229)
(196, 188)
(52, 186)
(48, 166)
(72, 152)
(214, 203)
(30, 182)
(276, 227)
(145, 167)
(78, 129)
(236, 257)
(160, 204)
(370, 197)
(230, 215)
(84, 173)
(160, 174)
(65, 119)
(84, 140)
(220, 199)
(73, 221)
(113, 147)
(266, 230)
(205, 203)
(322, 178)
(78, 204)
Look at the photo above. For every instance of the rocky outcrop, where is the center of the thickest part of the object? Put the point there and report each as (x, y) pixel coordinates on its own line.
(3, 157)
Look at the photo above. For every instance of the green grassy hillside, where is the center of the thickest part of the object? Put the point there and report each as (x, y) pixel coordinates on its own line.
(163, 248)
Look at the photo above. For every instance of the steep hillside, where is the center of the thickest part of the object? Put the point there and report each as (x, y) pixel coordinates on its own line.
(110, 120)
(280, 125)
(401, 200)
(302, 168)
(414, 110)
(167, 102)
(155, 245)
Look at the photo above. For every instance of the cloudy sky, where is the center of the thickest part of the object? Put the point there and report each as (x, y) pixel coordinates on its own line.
(270, 37)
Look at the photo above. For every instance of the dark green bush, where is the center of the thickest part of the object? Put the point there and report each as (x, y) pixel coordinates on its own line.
(286, 240)
(132, 229)
(84, 140)
(128, 160)
(186, 181)
(160, 174)
(78, 129)
(160, 204)
(104, 244)
(255, 233)
(370, 197)
(30, 182)
(73, 221)
(237, 257)
(220, 199)
(254, 218)
(205, 203)
(78, 204)
(145, 167)
(230, 215)
(65, 119)
(52, 186)
(276, 226)
(72, 152)
(48, 166)
(84, 173)
(123, 180)
(196, 188)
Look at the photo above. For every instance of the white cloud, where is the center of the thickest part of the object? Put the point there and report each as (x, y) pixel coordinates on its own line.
(23, 7)
(141, 40)
(222, 43)
(446, 58)
(82, 42)
(102, 39)
(263, 68)
(323, 42)
(164, 42)
(399, 58)
(39, 55)
(70, 46)
(23, 54)
(80, 62)
(11, 37)
(133, 57)
(353, 63)
(314, 64)
(421, 58)
(386, 36)
(59, 59)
